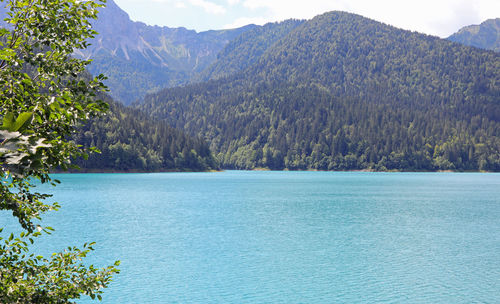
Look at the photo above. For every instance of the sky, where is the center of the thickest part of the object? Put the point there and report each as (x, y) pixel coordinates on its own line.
(435, 17)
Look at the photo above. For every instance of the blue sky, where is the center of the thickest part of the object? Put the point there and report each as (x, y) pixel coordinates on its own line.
(435, 17)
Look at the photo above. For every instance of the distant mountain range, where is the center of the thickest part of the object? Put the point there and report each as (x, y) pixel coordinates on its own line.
(338, 92)
(343, 92)
(130, 140)
(139, 59)
(485, 36)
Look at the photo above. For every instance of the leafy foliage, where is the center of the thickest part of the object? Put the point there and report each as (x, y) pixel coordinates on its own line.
(42, 99)
(28, 278)
(343, 92)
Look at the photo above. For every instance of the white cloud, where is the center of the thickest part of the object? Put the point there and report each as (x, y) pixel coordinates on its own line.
(180, 5)
(246, 21)
(294, 9)
(437, 17)
(209, 7)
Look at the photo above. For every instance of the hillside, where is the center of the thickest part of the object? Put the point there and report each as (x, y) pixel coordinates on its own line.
(138, 58)
(484, 36)
(344, 92)
(246, 49)
(131, 142)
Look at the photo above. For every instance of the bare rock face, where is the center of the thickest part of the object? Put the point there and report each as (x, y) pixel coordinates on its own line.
(140, 59)
(484, 36)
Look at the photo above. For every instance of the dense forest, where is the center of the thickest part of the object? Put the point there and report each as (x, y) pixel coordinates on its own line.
(130, 141)
(342, 92)
(246, 49)
(338, 92)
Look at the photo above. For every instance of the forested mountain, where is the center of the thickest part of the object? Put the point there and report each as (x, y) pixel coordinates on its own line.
(138, 58)
(131, 142)
(485, 36)
(247, 48)
(344, 92)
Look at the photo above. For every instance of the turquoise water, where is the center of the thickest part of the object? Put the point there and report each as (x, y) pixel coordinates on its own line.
(287, 237)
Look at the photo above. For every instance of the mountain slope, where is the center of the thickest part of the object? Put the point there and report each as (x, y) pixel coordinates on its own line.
(131, 142)
(246, 49)
(138, 58)
(485, 36)
(344, 92)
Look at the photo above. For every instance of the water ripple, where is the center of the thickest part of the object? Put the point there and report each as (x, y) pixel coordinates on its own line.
(288, 237)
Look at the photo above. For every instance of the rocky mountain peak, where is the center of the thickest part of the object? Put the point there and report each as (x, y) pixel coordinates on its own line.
(485, 35)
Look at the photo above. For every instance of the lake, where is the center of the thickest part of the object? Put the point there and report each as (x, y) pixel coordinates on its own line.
(286, 237)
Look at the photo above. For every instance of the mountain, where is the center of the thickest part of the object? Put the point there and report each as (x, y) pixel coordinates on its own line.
(484, 36)
(344, 92)
(130, 141)
(246, 49)
(138, 58)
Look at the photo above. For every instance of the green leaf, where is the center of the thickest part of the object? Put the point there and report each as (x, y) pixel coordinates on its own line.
(12, 124)
(8, 122)
(34, 138)
(23, 121)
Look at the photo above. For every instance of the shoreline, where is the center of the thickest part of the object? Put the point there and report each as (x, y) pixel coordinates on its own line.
(110, 171)
(96, 171)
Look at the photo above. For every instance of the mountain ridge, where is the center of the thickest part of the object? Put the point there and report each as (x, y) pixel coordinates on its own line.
(255, 41)
(485, 35)
(139, 58)
(341, 92)
(131, 141)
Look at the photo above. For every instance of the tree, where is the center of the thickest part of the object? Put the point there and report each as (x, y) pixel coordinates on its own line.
(44, 95)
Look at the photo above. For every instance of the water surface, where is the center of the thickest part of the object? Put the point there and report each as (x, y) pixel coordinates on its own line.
(287, 237)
